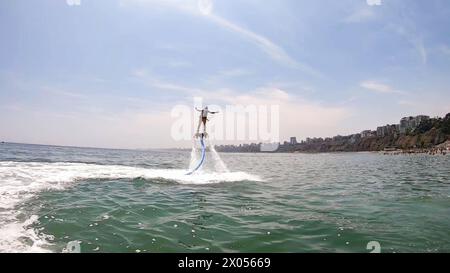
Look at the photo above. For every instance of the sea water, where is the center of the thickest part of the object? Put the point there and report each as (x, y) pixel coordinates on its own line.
(142, 201)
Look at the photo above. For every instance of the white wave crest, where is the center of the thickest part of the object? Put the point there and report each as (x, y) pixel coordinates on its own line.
(20, 181)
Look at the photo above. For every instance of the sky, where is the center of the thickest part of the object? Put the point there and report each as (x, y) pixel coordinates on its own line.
(107, 73)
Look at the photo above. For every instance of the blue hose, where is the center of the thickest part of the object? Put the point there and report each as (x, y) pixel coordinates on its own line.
(202, 142)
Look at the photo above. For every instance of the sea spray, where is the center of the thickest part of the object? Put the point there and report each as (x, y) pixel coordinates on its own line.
(193, 161)
(219, 165)
(216, 165)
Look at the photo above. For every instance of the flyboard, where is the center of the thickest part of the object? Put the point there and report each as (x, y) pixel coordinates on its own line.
(202, 137)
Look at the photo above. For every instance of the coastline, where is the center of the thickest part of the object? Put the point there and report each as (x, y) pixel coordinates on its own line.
(419, 134)
(396, 152)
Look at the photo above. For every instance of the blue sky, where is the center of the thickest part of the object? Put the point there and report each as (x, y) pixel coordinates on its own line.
(107, 73)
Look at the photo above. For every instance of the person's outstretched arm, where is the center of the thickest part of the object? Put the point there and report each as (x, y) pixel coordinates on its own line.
(197, 109)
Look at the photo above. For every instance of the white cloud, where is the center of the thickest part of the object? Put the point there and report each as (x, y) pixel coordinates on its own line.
(63, 92)
(398, 18)
(407, 28)
(149, 128)
(154, 82)
(73, 2)
(416, 40)
(360, 15)
(380, 87)
(373, 2)
(299, 117)
(228, 74)
(204, 8)
(422, 50)
(273, 50)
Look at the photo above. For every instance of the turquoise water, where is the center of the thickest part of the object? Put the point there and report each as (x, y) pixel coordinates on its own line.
(142, 201)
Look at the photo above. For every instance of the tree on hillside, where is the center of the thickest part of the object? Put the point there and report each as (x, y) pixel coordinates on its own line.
(424, 126)
(445, 126)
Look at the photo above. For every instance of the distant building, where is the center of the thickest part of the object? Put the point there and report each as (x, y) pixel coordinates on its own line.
(293, 141)
(408, 124)
(392, 130)
(380, 131)
(405, 124)
(387, 130)
(367, 133)
(269, 147)
(354, 138)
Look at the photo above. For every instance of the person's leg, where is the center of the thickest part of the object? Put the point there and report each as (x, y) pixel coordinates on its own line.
(199, 124)
(204, 125)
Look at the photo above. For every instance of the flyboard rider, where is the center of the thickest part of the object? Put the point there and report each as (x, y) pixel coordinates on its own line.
(203, 119)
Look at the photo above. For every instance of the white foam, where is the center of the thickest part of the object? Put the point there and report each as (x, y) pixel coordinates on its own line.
(16, 236)
(20, 181)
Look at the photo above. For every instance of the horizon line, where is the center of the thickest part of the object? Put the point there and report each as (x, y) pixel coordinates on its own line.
(180, 148)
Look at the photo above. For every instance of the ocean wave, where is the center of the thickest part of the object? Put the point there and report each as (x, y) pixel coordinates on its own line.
(20, 181)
